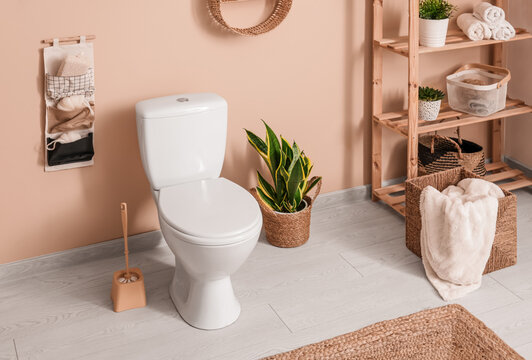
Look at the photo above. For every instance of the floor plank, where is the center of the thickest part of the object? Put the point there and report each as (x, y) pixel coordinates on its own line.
(7, 349)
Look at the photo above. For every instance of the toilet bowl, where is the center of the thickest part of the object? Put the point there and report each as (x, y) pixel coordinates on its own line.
(210, 223)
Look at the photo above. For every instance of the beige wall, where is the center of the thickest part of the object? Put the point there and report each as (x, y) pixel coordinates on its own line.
(519, 129)
(310, 79)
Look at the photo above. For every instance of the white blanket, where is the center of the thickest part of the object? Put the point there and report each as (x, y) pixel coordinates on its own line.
(474, 28)
(503, 31)
(489, 13)
(458, 228)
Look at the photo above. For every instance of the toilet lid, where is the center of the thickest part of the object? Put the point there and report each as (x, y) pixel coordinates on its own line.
(212, 208)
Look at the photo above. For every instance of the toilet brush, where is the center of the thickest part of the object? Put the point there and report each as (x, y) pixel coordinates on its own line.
(128, 290)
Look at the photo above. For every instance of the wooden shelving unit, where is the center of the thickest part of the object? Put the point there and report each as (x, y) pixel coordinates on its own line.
(406, 122)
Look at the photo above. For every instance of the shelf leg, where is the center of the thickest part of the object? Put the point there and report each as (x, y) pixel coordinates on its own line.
(413, 88)
(376, 128)
(497, 126)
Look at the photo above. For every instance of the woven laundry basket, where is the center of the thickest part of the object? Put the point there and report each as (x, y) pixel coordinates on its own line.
(504, 250)
(439, 153)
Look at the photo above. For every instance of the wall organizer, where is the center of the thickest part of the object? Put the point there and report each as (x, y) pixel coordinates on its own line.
(406, 123)
(69, 99)
(279, 13)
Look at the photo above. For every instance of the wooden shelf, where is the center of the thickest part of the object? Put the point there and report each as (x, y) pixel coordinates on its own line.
(455, 40)
(448, 118)
(500, 173)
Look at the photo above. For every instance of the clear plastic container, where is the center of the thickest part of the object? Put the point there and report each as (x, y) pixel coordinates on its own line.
(478, 89)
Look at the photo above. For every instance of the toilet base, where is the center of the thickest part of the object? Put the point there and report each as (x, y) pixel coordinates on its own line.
(206, 305)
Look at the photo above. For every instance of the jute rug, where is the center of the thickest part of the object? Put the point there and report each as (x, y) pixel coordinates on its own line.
(448, 332)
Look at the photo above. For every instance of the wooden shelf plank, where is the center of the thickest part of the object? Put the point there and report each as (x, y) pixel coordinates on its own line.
(390, 189)
(448, 118)
(503, 175)
(518, 184)
(456, 39)
(495, 166)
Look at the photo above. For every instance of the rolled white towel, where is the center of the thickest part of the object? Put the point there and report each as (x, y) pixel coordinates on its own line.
(474, 28)
(503, 31)
(489, 13)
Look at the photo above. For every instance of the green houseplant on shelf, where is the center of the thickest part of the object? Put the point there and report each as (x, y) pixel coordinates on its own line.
(434, 21)
(429, 103)
(286, 202)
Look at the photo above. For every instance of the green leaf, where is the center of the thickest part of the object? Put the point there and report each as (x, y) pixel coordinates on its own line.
(265, 186)
(269, 202)
(285, 146)
(296, 177)
(274, 148)
(311, 185)
(279, 179)
(296, 156)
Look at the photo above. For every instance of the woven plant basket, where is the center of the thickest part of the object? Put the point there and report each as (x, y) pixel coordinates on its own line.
(504, 250)
(287, 230)
(440, 153)
(279, 13)
(445, 333)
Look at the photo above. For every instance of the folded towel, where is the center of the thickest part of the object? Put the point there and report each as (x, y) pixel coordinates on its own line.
(481, 107)
(73, 65)
(59, 121)
(489, 13)
(503, 31)
(74, 102)
(474, 28)
(457, 233)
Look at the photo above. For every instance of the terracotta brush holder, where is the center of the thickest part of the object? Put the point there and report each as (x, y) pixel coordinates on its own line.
(128, 296)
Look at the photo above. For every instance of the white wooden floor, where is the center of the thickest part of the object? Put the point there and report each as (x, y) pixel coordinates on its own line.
(354, 271)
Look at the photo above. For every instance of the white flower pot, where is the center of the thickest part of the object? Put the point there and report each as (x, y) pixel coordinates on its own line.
(432, 33)
(429, 110)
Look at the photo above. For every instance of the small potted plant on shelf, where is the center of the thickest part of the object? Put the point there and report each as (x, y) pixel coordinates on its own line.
(429, 103)
(434, 20)
(286, 202)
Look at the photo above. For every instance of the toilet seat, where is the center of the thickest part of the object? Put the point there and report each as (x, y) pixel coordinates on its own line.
(210, 212)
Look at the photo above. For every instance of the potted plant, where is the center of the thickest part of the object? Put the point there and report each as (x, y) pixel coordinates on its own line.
(429, 103)
(286, 202)
(433, 22)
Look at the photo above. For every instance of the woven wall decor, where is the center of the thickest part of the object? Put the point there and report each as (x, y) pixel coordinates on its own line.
(282, 7)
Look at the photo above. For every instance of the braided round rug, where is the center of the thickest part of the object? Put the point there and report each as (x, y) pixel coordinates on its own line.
(445, 333)
(279, 13)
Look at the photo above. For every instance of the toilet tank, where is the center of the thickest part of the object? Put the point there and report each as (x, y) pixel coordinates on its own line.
(182, 137)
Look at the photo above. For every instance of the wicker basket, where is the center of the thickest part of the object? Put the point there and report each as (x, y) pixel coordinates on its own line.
(504, 250)
(440, 153)
(287, 230)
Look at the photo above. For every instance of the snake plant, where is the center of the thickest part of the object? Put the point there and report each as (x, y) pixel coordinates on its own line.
(289, 169)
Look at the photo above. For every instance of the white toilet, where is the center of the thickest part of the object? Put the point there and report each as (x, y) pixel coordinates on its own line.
(210, 223)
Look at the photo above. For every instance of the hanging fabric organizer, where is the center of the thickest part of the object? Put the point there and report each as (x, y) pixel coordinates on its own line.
(279, 13)
(69, 97)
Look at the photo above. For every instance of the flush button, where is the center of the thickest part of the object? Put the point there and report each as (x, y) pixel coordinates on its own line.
(182, 99)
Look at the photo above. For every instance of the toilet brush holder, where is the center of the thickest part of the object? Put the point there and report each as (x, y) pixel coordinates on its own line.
(128, 295)
(128, 290)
